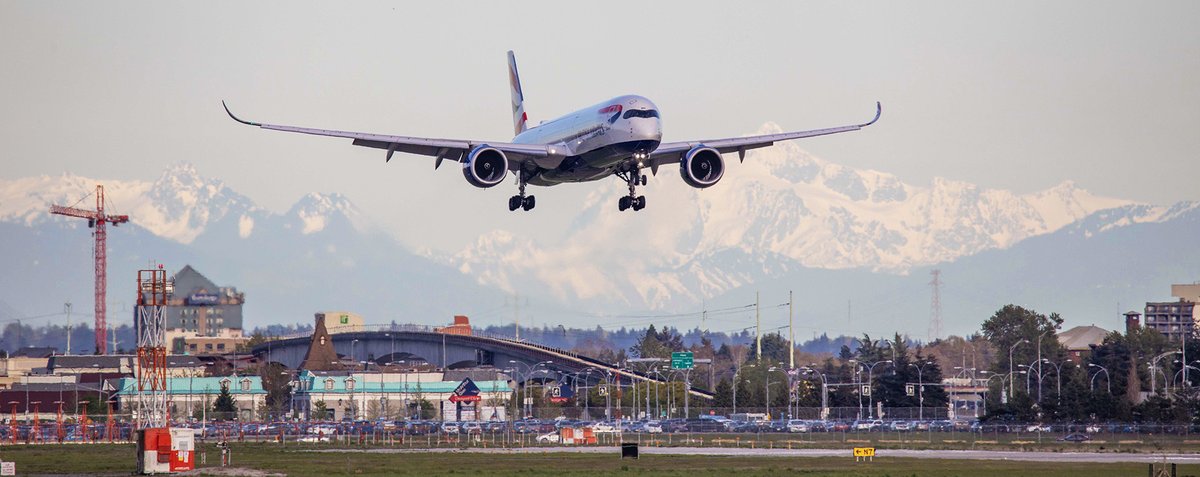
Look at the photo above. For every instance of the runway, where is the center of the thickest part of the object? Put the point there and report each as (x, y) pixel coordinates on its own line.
(1081, 457)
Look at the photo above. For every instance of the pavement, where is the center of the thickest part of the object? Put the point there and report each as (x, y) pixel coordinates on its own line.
(1027, 456)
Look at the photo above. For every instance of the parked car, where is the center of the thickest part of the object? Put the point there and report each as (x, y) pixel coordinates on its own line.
(549, 438)
(868, 425)
(471, 427)
(797, 425)
(495, 426)
(704, 425)
(417, 428)
(674, 425)
(450, 427)
(1075, 437)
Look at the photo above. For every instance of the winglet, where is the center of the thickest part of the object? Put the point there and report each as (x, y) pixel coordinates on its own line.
(878, 112)
(235, 118)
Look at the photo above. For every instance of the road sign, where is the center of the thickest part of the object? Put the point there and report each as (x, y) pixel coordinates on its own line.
(910, 389)
(864, 453)
(8, 468)
(866, 390)
(457, 398)
(602, 390)
(682, 360)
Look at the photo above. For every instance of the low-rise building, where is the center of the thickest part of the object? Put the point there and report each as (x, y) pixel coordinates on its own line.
(123, 364)
(355, 395)
(187, 397)
(41, 398)
(17, 366)
(1079, 341)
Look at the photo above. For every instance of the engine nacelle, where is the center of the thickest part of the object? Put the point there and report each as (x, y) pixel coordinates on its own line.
(702, 167)
(485, 166)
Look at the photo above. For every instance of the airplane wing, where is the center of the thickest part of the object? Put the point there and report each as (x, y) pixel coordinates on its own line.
(672, 152)
(453, 149)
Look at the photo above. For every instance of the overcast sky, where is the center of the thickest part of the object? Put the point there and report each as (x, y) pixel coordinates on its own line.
(1015, 95)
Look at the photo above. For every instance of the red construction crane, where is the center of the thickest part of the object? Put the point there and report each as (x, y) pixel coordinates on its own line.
(97, 220)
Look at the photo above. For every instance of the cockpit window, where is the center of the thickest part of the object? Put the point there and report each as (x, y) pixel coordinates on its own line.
(641, 113)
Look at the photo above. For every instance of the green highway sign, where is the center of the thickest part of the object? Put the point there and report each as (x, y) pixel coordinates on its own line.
(682, 360)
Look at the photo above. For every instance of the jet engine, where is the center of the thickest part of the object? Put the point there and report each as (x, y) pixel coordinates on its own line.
(702, 167)
(485, 166)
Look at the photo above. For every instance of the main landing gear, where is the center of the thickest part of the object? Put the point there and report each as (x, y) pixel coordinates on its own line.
(632, 201)
(521, 201)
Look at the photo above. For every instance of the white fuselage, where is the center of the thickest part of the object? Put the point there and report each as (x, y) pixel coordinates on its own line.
(594, 142)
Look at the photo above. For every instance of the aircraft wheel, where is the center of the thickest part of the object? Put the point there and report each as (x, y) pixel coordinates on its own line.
(514, 202)
(528, 203)
(639, 203)
(624, 203)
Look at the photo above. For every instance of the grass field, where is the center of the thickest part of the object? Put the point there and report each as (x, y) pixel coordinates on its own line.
(109, 459)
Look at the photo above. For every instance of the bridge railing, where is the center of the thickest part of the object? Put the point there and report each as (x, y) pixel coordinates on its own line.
(386, 328)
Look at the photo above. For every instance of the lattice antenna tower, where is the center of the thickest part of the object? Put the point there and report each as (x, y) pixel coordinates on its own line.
(935, 306)
(153, 291)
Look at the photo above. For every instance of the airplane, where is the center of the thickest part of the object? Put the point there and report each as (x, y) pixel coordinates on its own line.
(619, 137)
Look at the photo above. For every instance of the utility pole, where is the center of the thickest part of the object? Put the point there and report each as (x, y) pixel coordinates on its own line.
(517, 315)
(67, 305)
(935, 307)
(791, 334)
(757, 327)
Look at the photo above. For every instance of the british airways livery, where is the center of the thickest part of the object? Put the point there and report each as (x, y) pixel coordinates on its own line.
(620, 137)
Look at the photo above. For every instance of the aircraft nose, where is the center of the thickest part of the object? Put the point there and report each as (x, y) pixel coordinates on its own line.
(650, 130)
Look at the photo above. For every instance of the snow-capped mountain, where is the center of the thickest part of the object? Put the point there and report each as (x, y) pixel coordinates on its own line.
(782, 208)
(780, 219)
(283, 261)
(180, 205)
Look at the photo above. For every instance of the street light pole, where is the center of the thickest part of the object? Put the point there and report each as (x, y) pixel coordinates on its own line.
(1106, 377)
(920, 390)
(812, 368)
(767, 386)
(1011, 382)
(870, 383)
(1057, 378)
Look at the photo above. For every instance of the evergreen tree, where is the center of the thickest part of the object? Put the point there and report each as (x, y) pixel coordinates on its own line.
(775, 349)
(723, 397)
(320, 411)
(224, 408)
